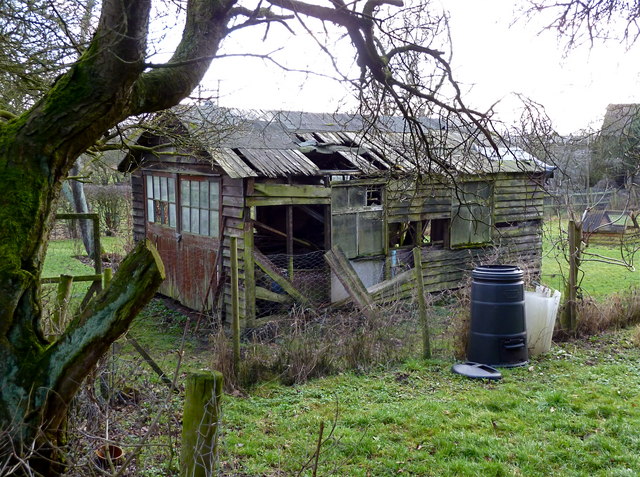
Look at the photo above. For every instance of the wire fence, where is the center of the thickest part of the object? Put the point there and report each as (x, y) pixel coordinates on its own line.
(308, 273)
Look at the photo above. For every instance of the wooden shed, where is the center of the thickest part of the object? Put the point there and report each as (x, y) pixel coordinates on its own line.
(287, 186)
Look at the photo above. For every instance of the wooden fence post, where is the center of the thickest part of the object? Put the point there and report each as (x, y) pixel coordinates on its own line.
(235, 305)
(62, 303)
(570, 312)
(200, 424)
(422, 306)
(107, 275)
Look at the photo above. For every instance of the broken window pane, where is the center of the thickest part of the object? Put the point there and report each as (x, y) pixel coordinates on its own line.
(374, 196)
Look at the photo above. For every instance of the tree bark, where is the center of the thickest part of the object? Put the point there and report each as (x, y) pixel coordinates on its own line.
(39, 378)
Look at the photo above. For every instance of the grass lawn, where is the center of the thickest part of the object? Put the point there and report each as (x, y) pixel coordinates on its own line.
(573, 412)
(599, 279)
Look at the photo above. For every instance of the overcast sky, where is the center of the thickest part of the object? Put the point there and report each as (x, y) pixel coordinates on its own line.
(492, 59)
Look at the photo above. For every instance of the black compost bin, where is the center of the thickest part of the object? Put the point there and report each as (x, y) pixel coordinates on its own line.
(498, 334)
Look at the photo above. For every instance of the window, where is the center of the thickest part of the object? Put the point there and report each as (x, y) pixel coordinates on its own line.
(200, 206)
(357, 220)
(471, 215)
(161, 200)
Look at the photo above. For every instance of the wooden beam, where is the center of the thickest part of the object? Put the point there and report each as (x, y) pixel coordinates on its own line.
(270, 269)
(77, 278)
(350, 280)
(264, 294)
(283, 190)
(264, 201)
(312, 213)
(266, 227)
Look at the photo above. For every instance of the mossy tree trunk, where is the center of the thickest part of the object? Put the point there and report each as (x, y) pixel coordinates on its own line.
(38, 378)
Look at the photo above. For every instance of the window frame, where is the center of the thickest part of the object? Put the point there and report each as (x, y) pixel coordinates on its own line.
(362, 205)
(213, 217)
(472, 214)
(160, 203)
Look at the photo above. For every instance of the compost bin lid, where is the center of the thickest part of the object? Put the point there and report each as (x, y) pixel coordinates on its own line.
(476, 371)
(497, 273)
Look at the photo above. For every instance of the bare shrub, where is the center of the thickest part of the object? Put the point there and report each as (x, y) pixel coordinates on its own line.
(308, 344)
(620, 310)
(635, 338)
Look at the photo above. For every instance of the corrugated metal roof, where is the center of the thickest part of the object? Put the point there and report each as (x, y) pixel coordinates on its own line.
(274, 143)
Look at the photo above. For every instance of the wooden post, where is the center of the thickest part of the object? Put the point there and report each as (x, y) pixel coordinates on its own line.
(422, 307)
(235, 304)
(97, 247)
(249, 274)
(570, 321)
(351, 282)
(62, 303)
(290, 241)
(106, 277)
(200, 424)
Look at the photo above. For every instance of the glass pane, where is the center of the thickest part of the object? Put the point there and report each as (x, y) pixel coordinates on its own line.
(204, 195)
(172, 215)
(149, 187)
(150, 215)
(214, 196)
(156, 187)
(343, 233)
(339, 198)
(370, 233)
(195, 194)
(195, 221)
(357, 196)
(186, 220)
(164, 192)
(172, 189)
(213, 223)
(185, 193)
(204, 222)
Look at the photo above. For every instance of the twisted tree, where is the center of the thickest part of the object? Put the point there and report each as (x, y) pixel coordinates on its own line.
(107, 81)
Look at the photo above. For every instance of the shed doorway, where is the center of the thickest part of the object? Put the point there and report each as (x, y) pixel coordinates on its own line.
(294, 239)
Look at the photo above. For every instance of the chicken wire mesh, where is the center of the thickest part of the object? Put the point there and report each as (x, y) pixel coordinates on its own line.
(308, 273)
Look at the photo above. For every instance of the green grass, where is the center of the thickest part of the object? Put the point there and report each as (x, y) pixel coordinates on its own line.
(573, 412)
(599, 279)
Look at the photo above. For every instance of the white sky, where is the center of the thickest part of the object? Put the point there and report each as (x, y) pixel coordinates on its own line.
(491, 60)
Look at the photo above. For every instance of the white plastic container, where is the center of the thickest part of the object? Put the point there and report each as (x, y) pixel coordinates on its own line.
(541, 310)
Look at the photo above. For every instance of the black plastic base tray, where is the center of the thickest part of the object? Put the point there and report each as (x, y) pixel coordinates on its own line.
(476, 371)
